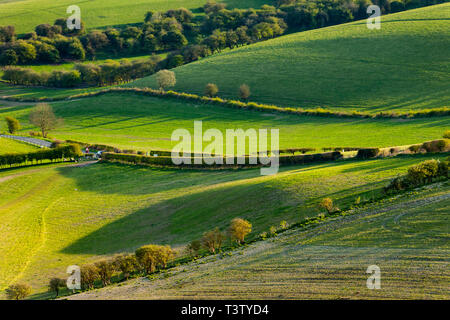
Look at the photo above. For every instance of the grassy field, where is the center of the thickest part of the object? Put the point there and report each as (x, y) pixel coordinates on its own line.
(407, 237)
(55, 216)
(403, 66)
(137, 122)
(11, 146)
(27, 14)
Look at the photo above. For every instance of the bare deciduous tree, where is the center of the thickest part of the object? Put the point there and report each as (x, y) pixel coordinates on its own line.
(42, 116)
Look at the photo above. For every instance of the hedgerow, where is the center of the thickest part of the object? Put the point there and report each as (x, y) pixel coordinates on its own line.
(59, 153)
(319, 112)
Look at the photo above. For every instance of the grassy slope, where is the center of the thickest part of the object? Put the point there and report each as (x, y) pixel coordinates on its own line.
(11, 146)
(52, 217)
(132, 121)
(407, 238)
(404, 65)
(27, 14)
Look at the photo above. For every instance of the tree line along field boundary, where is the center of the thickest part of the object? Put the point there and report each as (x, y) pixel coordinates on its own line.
(247, 105)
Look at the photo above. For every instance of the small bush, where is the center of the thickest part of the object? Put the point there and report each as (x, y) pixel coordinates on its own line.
(212, 240)
(284, 225)
(193, 248)
(211, 90)
(12, 124)
(55, 284)
(244, 92)
(327, 204)
(420, 174)
(273, 231)
(105, 269)
(18, 291)
(414, 148)
(239, 229)
(127, 264)
(368, 153)
(446, 134)
(152, 256)
(435, 145)
(89, 274)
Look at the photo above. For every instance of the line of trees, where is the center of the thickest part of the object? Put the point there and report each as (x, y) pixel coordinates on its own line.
(71, 151)
(151, 258)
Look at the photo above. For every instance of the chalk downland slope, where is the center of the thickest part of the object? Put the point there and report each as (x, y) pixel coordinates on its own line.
(405, 65)
(113, 208)
(406, 237)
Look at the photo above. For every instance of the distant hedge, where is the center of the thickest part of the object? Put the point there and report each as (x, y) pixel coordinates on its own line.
(167, 160)
(368, 153)
(35, 157)
(319, 112)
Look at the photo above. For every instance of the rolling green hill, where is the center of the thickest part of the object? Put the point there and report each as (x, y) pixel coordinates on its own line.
(406, 238)
(27, 14)
(130, 121)
(405, 65)
(55, 216)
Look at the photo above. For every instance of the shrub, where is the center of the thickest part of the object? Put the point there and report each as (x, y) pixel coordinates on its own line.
(18, 291)
(105, 269)
(419, 174)
(244, 92)
(446, 134)
(436, 145)
(13, 124)
(414, 148)
(368, 153)
(152, 256)
(423, 172)
(55, 284)
(193, 248)
(212, 240)
(127, 264)
(273, 231)
(327, 204)
(239, 229)
(89, 274)
(8, 57)
(284, 225)
(211, 90)
(165, 79)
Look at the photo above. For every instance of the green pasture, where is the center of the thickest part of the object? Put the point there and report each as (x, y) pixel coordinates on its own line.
(131, 121)
(56, 216)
